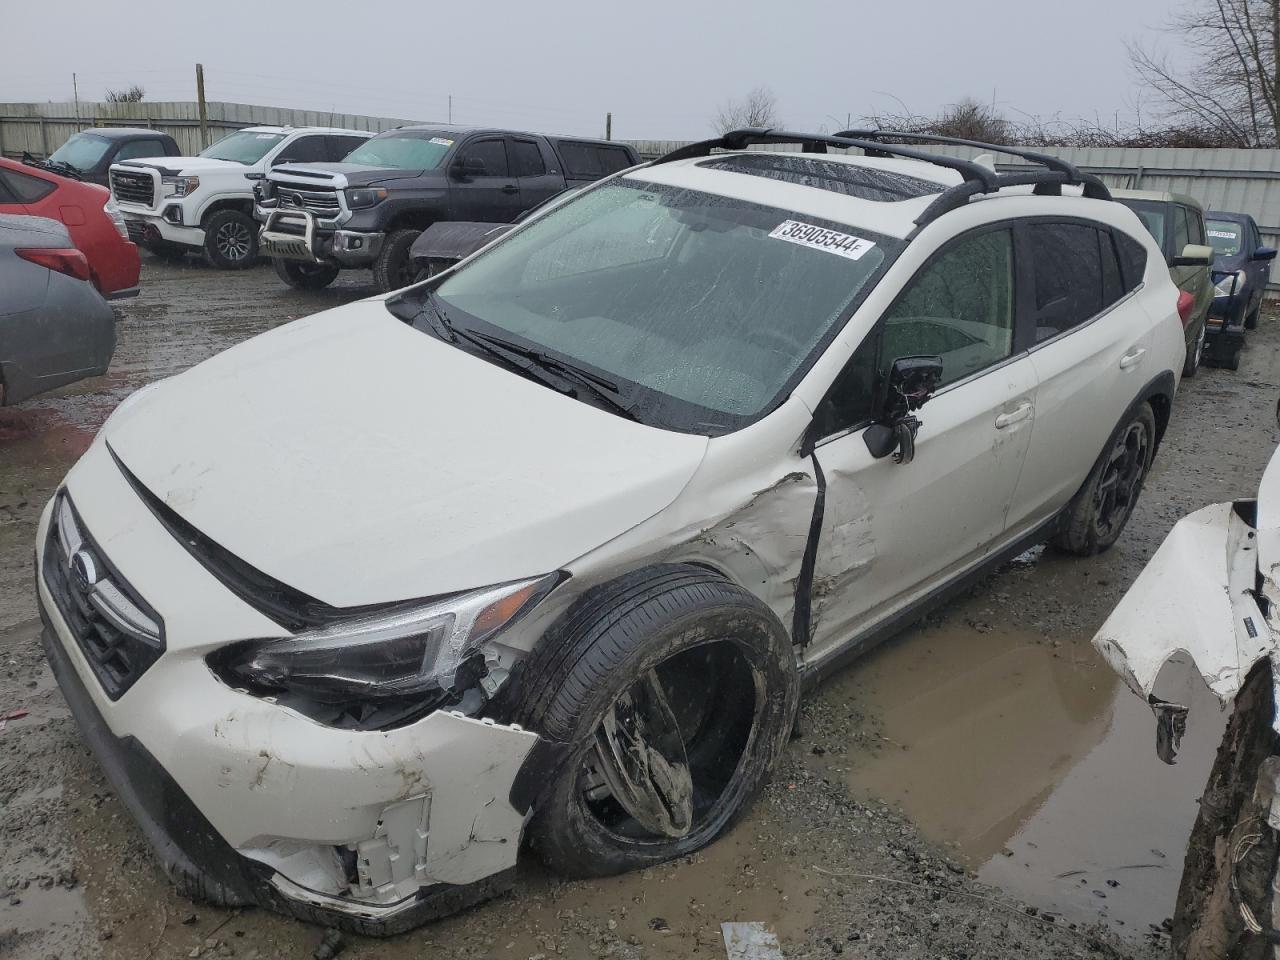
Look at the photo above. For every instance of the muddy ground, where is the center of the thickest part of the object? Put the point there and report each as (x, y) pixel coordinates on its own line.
(981, 786)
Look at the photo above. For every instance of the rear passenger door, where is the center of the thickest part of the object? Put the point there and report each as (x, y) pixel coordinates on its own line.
(529, 167)
(1091, 337)
(481, 187)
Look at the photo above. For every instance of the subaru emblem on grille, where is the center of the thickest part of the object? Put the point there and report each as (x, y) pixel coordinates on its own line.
(83, 570)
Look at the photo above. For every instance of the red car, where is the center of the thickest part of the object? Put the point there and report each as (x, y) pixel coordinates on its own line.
(97, 230)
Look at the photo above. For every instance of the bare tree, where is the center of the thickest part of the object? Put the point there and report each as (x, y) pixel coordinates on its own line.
(132, 94)
(759, 108)
(1228, 81)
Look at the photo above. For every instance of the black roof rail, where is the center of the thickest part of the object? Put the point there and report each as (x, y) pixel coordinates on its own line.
(978, 178)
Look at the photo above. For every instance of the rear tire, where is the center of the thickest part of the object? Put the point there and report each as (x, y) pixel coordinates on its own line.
(305, 276)
(231, 240)
(1195, 353)
(1098, 514)
(1230, 354)
(394, 268)
(728, 679)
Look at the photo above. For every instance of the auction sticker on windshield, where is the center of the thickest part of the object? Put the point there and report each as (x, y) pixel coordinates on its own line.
(820, 238)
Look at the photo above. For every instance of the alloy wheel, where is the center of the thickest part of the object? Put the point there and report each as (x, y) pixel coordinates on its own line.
(667, 749)
(1121, 481)
(233, 240)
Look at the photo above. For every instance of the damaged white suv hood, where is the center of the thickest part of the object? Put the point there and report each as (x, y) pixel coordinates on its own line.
(361, 461)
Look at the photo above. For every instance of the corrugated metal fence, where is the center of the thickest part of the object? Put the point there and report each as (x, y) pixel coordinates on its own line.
(1242, 180)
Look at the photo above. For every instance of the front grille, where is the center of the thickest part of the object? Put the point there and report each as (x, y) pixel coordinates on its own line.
(322, 203)
(118, 633)
(134, 187)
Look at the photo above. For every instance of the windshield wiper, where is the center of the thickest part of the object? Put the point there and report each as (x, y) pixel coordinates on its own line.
(605, 390)
(61, 165)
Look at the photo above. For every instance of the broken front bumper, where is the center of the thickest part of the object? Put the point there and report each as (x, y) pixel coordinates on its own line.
(1198, 596)
(245, 801)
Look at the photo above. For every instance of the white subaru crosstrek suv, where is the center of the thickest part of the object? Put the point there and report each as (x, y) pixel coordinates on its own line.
(545, 545)
(173, 206)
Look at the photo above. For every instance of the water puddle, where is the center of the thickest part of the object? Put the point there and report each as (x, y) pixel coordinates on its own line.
(1036, 765)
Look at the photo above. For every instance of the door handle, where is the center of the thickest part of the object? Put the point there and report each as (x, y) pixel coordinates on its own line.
(1021, 412)
(510, 188)
(1132, 358)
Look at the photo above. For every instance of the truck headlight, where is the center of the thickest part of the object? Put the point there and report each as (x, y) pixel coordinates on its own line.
(365, 197)
(1231, 284)
(405, 652)
(180, 186)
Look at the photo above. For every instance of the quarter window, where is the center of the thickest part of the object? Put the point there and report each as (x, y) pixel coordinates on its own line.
(1067, 265)
(24, 187)
(959, 308)
(1181, 230)
(1133, 259)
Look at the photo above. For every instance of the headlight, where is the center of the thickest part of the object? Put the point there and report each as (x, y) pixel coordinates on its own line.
(180, 186)
(404, 653)
(365, 197)
(1231, 284)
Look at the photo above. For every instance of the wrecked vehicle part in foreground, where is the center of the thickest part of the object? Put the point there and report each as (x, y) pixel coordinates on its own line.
(592, 506)
(1206, 600)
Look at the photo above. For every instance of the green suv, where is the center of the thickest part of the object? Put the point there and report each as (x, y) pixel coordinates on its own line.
(1177, 223)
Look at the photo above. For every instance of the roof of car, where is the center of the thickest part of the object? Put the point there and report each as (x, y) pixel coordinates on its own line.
(123, 133)
(461, 130)
(271, 129)
(1227, 215)
(1156, 196)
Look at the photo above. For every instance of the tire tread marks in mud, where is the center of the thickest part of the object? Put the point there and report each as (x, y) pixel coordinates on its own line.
(604, 642)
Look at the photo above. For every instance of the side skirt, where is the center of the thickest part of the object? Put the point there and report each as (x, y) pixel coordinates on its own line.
(811, 674)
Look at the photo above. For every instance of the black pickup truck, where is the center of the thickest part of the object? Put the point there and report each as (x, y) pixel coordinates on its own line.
(366, 212)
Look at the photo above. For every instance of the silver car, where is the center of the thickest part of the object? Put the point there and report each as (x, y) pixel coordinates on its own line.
(55, 328)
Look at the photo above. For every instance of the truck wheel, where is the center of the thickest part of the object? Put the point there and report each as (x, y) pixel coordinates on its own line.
(231, 240)
(1098, 514)
(394, 268)
(1229, 353)
(305, 276)
(674, 691)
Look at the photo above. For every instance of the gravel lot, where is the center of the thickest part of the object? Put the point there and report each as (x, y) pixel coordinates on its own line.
(978, 787)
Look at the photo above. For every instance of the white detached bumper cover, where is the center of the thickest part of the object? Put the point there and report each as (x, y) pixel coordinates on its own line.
(1198, 599)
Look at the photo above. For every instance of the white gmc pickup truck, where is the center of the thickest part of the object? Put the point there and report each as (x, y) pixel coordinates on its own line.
(178, 205)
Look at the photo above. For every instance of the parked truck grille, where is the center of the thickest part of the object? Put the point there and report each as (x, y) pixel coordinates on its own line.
(118, 633)
(134, 188)
(321, 203)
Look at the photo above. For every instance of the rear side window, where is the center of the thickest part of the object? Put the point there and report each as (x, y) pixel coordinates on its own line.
(24, 187)
(526, 159)
(592, 160)
(1133, 259)
(1113, 287)
(140, 148)
(1067, 267)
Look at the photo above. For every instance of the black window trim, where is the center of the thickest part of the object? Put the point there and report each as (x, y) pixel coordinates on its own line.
(1128, 294)
(1018, 352)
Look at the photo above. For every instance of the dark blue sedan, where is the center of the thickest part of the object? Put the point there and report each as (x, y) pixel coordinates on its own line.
(1241, 269)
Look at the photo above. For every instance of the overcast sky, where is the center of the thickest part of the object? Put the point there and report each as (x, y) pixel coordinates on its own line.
(661, 66)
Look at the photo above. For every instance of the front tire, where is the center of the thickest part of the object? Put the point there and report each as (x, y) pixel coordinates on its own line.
(305, 276)
(1098, 514)
(394, 268)
(674, 691)
(231, 240)
(168, 252)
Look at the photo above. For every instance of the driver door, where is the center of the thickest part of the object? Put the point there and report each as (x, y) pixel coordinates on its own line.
(892, 532)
